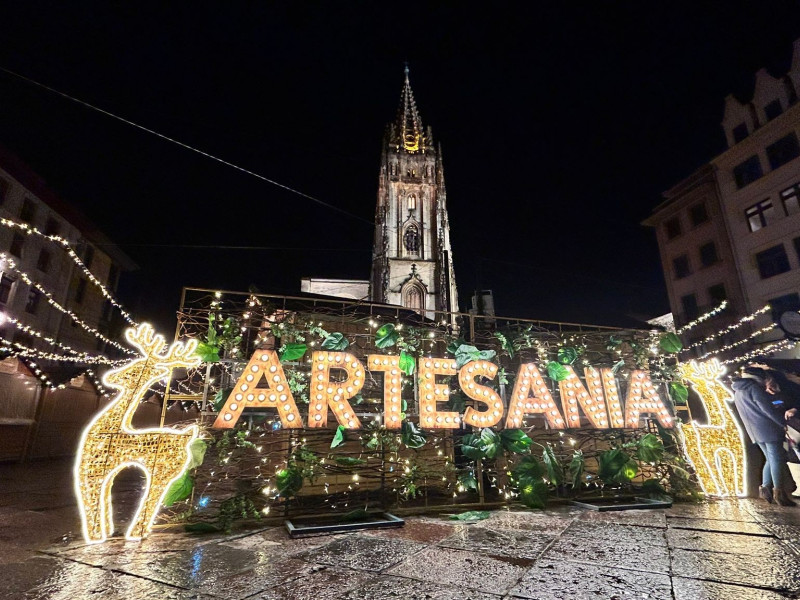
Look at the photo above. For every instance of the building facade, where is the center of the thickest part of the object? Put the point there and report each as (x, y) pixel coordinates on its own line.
(412, 260)
(731, 230)
(25, 198)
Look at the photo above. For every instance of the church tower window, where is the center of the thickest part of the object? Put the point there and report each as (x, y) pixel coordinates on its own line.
(414, 297)
(412, 202)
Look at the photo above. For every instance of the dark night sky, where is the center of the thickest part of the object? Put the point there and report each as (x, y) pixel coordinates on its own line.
(560, 128)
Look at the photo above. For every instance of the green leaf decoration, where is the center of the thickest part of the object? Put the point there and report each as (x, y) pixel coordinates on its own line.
(472, 446)
(505, 344)
(335, 341)
(613, 343)
(411, 435)
(180, 489)
(349, 461)
(466, 353)
(653, 489)
(456, 402)
(293, 351)
(614, 466)
(471, 515)
(533, 494)
(631, 469)
(492, 443)
(650, 448)
(372, 444)
(567, 356)
(576, 468)
(201, 527)
(555, 473)
(338, 437)
(670, 343)
(454, 345)
(289, 481)
(220, 397)
(468, 481)
(386, 336)
(679, 393)
(516, 441)
(528, 469)
(556, 371)
(358, 514)
(207, 352)
(617, 366)
(407, 363)
(197, 452)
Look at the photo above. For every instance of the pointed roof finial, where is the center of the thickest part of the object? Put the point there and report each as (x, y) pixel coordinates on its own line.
(409, 123)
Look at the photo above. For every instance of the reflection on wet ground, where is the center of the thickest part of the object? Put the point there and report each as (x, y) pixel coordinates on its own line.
(728, 549)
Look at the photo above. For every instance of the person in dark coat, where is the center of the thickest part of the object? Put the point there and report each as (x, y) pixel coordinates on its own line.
(765, 424)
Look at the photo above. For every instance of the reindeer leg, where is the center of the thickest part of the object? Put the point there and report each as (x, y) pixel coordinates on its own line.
(91, 505)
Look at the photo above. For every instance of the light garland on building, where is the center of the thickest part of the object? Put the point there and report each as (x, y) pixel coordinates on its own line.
(57, 239)
(733, 345)
(110, 444)
(15, 348)
(729, 328)
(705, 317)
(785, 344)
(49, 297)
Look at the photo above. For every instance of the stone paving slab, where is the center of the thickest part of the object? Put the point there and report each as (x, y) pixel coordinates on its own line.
(724, 542)
(718, 525)
(422, 530)
(641, 518)
(408, 589)
(695, 589)
(461, 568)
(363, 552)
(775, 572)
(614, 532)
(319, 583)
(549, 522)
(730, 510)
(504, 542)
(556, 580)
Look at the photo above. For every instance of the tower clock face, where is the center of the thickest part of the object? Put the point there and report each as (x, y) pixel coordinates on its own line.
(789, 321)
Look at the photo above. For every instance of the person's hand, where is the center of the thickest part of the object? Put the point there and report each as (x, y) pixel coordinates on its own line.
(790, 413)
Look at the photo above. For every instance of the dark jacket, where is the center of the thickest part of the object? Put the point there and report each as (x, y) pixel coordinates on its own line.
(763, 421)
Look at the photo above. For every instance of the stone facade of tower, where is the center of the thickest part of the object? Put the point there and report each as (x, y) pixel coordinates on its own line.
(412, 262)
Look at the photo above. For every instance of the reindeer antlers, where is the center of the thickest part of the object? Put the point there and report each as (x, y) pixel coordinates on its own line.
(710, 370)
(152, 345)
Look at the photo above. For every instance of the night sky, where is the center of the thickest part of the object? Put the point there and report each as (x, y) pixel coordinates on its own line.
(560, 129)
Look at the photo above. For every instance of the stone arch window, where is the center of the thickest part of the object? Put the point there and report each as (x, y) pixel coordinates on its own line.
(411, 239)
(412, 202)
(414, 297)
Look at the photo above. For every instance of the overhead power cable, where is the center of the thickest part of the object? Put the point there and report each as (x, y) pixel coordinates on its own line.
(188, 147)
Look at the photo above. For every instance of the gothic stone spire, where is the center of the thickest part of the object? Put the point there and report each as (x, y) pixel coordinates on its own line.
(407, 133)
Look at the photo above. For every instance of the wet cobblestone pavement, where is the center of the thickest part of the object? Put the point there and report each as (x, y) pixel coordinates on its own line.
(746, 550)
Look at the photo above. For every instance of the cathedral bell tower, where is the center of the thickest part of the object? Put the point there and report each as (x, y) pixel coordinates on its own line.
(412, 263)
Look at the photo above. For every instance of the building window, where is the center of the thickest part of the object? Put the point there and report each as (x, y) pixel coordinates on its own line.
(681, 266)
(51, 227)
(690, 310)
(17, 242)
(708, 254)
(740, 132)
(673, 228)
(783, 303)
(88, 256)
(32, 305)
(698, 214)
(411, 239)
(107, 306)
(412, 202)
(28, 211)
(747, 172)
(772, 261)
(717, 293)
(782, 151)
(773, 109)
(5, 288)
(80, 290)
(113, 277)
(4, 187)
(760, 215)
(790, 199)
(43, 264)
(414, 298)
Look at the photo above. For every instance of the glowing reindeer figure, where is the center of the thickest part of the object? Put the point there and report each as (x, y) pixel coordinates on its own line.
(716, 449)
(110, 444)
